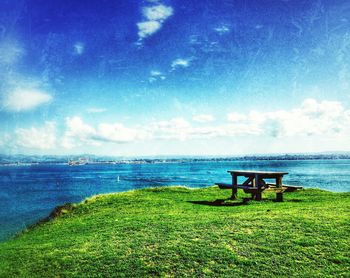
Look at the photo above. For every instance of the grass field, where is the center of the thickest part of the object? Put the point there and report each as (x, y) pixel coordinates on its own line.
(176, 231)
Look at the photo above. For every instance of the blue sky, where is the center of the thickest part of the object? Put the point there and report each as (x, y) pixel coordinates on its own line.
(174, 77)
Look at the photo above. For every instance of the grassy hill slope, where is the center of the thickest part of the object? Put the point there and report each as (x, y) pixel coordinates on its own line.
(176, 231)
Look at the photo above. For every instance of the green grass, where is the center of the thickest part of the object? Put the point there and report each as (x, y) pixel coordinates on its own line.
(176, 231)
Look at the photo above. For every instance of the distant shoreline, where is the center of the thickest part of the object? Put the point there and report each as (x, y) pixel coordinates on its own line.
(96, 160)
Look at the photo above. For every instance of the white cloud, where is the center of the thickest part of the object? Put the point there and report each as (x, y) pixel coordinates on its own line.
(79, 133)
(183, 63)
(76, 127)
(79, 48)
(181, 129)
(318, 120)
(203, 118)
(158, 12)
(177, 128)
(153, 19)
(117, 133)
(25, 99)
(96, 110)
(152, 79)
(310, 119)
(223, 29)
(156, 75)
(43, 138)
(236, 117)
(148, 28)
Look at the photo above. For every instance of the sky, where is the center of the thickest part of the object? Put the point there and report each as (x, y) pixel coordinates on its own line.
(174, 77)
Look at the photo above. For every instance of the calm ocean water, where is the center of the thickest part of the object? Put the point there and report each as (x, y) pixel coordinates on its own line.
(29, 193)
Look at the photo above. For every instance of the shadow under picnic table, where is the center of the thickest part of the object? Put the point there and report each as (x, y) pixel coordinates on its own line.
(221, 202)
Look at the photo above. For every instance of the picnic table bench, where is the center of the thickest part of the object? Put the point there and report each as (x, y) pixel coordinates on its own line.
(255, 183)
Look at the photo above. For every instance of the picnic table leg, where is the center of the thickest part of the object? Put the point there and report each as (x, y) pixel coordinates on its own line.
(258, 192)
(279, 194)
(234, 187)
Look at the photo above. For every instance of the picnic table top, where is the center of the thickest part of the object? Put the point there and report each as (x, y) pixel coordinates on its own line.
(253, 172)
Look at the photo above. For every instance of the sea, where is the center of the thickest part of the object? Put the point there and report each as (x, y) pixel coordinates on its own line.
(29, 193)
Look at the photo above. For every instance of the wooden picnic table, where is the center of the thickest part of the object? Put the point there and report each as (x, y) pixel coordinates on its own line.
(255, 183)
